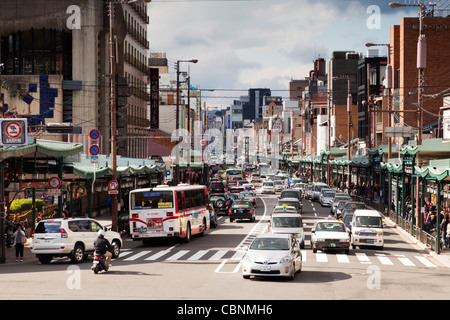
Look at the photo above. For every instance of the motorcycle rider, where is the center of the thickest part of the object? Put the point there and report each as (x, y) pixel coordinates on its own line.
(103, 248)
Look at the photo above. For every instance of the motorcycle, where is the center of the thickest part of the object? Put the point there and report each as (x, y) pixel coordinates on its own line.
(99, 264)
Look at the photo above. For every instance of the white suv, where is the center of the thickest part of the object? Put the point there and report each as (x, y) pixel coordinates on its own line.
(72, 237)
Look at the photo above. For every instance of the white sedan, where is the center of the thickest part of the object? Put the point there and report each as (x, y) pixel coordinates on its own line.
(330, 235)
(272, 255)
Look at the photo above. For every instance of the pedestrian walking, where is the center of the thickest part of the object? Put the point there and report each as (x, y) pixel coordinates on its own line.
(19, 242)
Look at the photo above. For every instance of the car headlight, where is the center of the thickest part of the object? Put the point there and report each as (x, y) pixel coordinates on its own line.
(285, 259)
(247, 259)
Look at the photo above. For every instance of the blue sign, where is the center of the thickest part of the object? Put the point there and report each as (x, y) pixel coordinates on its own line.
(94, 150)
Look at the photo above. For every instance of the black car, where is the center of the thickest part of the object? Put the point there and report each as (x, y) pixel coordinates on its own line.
(220, 202)
(217, 187)
(241, 210)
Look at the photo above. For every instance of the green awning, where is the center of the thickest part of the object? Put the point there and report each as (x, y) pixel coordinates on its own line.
(55, 149)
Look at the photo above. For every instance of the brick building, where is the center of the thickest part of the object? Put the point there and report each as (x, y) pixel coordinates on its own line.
(405, 73)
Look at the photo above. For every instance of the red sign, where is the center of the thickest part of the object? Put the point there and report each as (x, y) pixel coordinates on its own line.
(54, 183)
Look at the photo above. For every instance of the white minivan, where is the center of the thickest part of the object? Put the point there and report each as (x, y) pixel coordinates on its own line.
(367, 228)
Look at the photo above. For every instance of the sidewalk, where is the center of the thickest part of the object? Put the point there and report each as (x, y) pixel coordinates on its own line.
(443, 257)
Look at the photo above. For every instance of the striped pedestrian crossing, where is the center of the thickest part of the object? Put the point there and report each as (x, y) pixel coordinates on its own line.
(307, 257)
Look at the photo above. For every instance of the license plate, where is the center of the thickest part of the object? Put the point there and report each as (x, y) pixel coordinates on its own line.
(143, 229)
(362, 240)
(332, 245)
(265, 268)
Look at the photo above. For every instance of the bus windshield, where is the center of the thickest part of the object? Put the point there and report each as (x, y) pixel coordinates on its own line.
(152, 200)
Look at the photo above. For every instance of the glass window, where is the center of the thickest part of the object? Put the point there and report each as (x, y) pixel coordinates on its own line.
(152, 200)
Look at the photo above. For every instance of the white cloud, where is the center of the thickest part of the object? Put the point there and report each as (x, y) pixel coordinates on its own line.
(247, 44)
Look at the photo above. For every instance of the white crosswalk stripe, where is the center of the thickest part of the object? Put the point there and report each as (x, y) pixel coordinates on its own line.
(307, 255)
(137, 256)
(198, 255)
(218, 255)
(426, 262)
(384, 260)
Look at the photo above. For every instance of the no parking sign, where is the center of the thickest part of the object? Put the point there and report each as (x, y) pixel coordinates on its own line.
(14, 132)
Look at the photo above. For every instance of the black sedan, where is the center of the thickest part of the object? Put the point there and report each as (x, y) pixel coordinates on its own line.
(242, 210)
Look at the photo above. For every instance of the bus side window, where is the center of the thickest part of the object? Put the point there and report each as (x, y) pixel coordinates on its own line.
(180, 201)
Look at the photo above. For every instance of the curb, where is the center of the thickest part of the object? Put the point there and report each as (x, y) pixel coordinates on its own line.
(442, 258)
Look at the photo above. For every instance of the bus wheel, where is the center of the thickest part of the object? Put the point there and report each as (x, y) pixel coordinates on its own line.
(188, 234)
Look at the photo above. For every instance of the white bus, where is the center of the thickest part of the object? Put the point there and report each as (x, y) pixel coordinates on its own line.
(165, 212)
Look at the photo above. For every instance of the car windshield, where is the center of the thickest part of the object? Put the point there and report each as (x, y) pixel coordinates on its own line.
(320, 187)
(268, 184)
(328, 194)
(290, 194)
(342, 203)
(372, 222)
(241, 204)
(279, 182)
(340, 198)
(270, 244)
(348, 218)
(287, 222)
(330, 226)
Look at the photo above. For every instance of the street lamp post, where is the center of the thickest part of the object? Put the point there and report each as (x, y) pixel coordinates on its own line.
(388, 87)
(113, 62)
(177, 120)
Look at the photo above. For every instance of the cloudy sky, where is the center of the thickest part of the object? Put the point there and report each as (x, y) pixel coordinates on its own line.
(242, 44)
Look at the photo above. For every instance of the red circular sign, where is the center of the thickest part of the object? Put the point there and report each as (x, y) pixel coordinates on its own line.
(203, 142)
(113, 185)
(13, 130)
(54, 183)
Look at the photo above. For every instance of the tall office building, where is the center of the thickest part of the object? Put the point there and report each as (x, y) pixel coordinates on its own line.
(57, 69)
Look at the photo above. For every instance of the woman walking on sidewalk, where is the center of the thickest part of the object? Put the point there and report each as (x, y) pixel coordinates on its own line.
(19, 242)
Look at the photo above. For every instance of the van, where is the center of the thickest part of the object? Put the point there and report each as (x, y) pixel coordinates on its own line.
(317, 187)
(288, 223)
(367, 228)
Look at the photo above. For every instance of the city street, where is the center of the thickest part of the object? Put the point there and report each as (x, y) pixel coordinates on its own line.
(209, 267)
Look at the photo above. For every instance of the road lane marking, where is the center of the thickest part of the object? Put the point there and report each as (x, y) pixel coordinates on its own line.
(362, 257)
(426, 262)
(137, 255)
(157, 255)
(218, 255)
(198, 255)
(177, 255)
(342, 258)
(383, 259)
(321, 257)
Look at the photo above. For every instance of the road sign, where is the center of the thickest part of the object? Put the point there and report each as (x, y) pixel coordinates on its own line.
(94, 150)
(203, 142)
(54, 183)
(94, 159)
(94, 134)
(14, 132)
(113, 185)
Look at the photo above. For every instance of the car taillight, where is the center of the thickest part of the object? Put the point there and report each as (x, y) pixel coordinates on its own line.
(63, 233)
(135, 215)
(229, 211)
(251, 211)
(32, 234)
(169, 214)
(97, 258)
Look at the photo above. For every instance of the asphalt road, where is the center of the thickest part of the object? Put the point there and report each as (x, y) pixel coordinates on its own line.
(209, 267)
